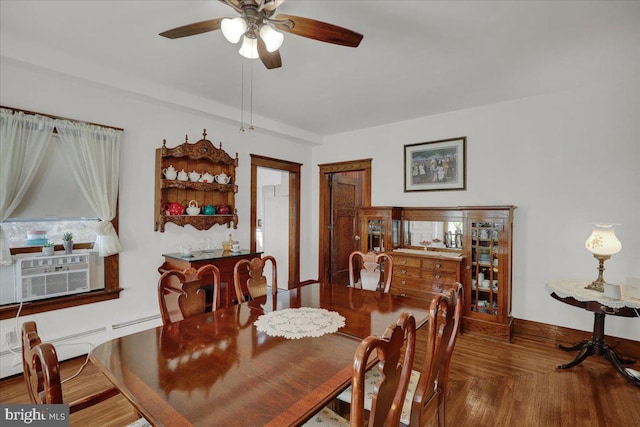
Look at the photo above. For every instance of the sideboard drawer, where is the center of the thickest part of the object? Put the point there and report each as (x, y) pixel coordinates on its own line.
(440, 265)
(406, 272)
(440, 276)
(400, 261)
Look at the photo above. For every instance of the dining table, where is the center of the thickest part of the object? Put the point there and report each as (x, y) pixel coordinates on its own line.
(220, 369)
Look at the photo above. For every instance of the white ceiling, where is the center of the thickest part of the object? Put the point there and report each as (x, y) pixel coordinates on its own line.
(417, 58)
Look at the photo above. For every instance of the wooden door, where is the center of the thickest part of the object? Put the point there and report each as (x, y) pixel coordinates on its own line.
(337, 227)
(343, 227)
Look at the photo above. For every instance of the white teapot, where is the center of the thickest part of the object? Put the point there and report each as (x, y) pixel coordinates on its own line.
(170, 172)
(182, 176)
(194, 176)
(206, 177)
(222, 178)
(193, 208)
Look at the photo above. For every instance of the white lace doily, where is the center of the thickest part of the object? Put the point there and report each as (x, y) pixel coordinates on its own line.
(301, 322)
(575, 289)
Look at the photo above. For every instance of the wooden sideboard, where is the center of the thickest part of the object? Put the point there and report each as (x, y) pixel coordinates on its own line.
(224, 260)
(439, 246)
(421, 275)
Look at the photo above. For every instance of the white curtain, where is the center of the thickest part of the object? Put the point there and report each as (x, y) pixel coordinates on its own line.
(23, 141)
(93, 154)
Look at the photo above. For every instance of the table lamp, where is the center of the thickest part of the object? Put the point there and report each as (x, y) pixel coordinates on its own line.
(602, 243)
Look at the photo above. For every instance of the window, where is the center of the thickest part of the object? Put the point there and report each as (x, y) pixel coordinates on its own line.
(51, 199)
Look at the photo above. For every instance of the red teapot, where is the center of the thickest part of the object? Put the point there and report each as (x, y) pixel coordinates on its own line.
(174, 208)
(223, 209)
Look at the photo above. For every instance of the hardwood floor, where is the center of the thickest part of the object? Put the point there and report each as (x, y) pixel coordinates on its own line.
(500, 384)
(491, 383)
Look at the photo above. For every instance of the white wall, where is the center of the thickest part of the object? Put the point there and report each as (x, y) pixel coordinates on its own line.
(146, 123)
(566, 160)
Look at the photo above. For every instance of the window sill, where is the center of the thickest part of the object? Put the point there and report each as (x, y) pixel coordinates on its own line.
(11, 310)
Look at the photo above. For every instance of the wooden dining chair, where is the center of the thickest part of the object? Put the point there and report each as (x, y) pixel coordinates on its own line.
(374, 270)
(41, 372)
(257, 283)
(388, 395)
(181, 294)
(429, 385)
(445, 315)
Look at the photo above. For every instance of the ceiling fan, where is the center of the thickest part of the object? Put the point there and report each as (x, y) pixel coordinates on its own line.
(255, 26)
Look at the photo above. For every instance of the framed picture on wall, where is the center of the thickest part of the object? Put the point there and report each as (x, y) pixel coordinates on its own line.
(436, 165)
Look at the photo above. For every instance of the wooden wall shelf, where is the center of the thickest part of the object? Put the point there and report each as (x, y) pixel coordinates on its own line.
(200, 157)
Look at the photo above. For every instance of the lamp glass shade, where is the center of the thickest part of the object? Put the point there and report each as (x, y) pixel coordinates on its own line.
(249, 48)
(233, 29)
(603, 240)
(272, 39)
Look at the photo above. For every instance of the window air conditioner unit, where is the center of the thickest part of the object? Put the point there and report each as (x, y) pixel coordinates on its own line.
(42, 277)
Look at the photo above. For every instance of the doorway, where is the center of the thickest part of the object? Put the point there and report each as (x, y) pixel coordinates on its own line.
(275, 215)
(344, 187)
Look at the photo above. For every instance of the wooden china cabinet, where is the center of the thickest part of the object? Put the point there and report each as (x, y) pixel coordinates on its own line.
(440, 246)
(202, 158)
(379, 228)
(488, 248)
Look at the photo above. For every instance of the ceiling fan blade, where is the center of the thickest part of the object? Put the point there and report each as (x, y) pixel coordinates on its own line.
(269, 59)
(321, 31)
(193, 29)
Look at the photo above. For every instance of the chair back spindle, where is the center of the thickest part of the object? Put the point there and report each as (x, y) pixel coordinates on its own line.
(257, 284)
(374, 268)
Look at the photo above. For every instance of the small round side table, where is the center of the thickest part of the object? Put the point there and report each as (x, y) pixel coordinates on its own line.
(573, 292)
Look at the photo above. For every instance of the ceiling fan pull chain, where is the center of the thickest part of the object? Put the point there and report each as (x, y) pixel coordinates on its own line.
(251, 128)
(242, 100)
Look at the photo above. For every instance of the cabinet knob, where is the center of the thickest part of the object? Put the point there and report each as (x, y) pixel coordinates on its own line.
(438, 265)
(404, 282)
(404, 271)
(357, 237)
(404, 262)
(437, 276)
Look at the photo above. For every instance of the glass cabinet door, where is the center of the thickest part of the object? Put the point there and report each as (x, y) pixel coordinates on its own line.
(396, 233)
(375, 235)
(485, 268)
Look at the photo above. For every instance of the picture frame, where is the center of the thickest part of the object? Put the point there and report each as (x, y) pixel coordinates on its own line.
(436, 165)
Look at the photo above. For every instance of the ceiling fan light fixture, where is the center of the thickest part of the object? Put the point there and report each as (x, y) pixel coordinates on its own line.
(233, 29)
(272, 39)
(249, 48)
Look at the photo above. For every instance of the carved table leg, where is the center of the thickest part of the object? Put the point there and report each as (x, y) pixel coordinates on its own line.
(587, 350)
(615, 360)
(597, 346)
(573, 347)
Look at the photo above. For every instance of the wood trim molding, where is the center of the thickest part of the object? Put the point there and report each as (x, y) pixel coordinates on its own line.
(294, 208)
(349, 165)
(33, 307)
(561, 335)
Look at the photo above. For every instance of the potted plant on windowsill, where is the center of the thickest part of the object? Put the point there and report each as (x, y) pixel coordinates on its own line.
(67, 242)
(47, 249)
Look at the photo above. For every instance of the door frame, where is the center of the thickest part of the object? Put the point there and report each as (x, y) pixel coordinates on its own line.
(294, 209)
(324, 217)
